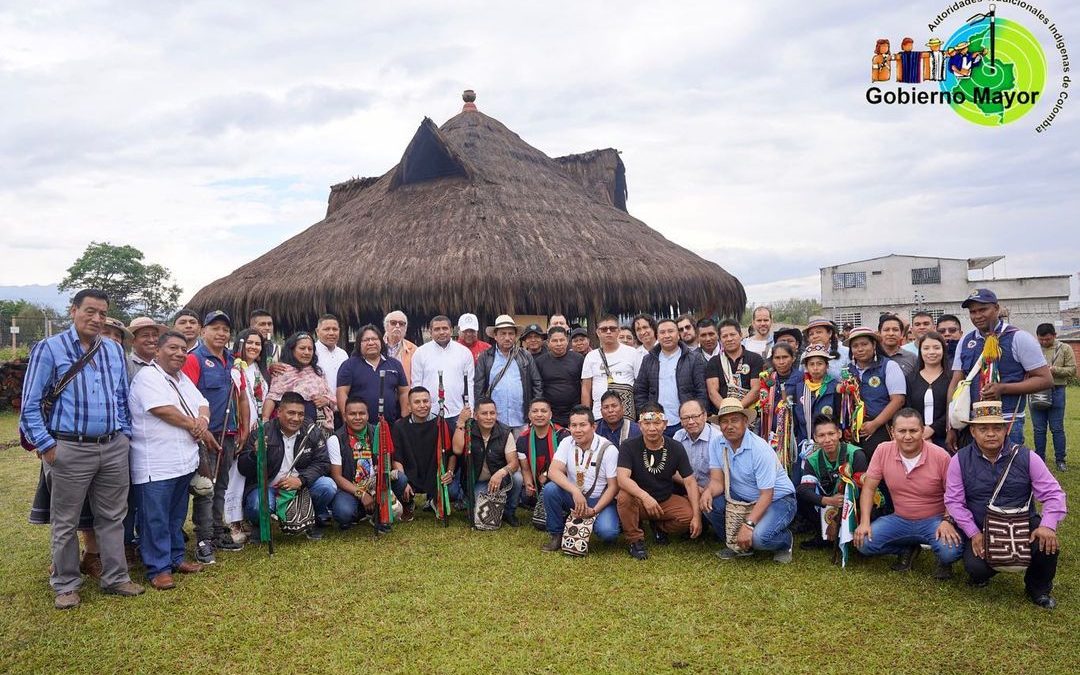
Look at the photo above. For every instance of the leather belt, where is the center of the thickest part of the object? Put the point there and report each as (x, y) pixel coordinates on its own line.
(79, 438)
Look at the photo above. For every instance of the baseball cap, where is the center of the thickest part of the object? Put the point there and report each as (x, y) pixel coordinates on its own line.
(981, 295)
(216, 315)
(578, 331)
(468, 322)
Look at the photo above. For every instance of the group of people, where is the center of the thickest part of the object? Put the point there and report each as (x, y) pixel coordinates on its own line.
(676, 425)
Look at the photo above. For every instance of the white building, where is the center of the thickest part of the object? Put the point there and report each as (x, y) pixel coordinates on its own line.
(859, 292)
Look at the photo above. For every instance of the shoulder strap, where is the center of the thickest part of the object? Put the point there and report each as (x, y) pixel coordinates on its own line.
(1004, 474)
(624, 431)
(604, 445)
(607, 369)
(509, 359)
(727, 473)
(183, 403)
(71, 373)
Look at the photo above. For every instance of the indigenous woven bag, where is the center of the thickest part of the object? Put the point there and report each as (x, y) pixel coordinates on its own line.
(297, 516)
(1006, 532)
(1042, 400)
(960, 405)
(490, 506)
(624, 391)
(576, 534)
(539, 514)
(736, 512)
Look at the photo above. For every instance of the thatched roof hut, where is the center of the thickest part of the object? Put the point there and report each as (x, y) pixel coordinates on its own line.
(475, 219)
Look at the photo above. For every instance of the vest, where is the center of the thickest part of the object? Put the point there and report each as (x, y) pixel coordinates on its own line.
(874, 396)
(829, 480)
(980, 478)
(215, 383)
(494, 454)
(826, 403)
(1011, 371)
(348, 462)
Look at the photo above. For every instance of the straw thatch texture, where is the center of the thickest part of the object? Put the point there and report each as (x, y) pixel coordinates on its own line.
(475, 219)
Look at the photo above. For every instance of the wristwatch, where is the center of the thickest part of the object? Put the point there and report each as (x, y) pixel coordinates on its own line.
(749, 523)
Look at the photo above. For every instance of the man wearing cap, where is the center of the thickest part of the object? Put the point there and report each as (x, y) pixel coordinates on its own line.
(468, 335)
(397, 347)
(760, 340)
(933, 62)
(913, 470)
(507, 375)
(442, 357)
(975, 473)
(579, 342)
(648, 469)
(560, 373)
(144, 333)
(756, 475)
(822, 331)
(1020, 369)
(532, 339)
(882, 386)
(209, 367)
(83, 445)
(670, 374)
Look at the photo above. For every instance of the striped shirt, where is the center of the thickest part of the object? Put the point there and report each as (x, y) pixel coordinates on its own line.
(93, 404)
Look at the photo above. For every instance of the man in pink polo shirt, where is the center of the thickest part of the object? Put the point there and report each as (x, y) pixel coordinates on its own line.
(914, 471)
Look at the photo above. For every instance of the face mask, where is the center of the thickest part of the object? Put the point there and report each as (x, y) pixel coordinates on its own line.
(950, 349)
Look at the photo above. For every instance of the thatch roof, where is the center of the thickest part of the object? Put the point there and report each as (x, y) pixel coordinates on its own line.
(475, 219)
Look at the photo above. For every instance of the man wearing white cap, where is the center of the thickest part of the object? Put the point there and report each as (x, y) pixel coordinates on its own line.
(469, 335)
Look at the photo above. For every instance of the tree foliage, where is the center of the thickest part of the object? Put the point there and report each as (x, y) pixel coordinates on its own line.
(793, 311)
(135, 287)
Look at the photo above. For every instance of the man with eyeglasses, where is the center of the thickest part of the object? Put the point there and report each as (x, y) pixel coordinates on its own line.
(948, 326)
(397, 347)
(695, 435)
(613, 363)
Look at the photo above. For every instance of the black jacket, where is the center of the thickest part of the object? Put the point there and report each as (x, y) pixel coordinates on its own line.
(531, 383)
(689, 379)
(311, 466)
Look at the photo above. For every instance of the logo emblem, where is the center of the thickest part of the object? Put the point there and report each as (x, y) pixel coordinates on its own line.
(208, 363)
(827, 410)
(971, 343)
(744, 369)
(875, 381)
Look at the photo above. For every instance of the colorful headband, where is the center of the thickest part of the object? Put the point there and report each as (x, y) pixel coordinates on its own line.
(652, 417)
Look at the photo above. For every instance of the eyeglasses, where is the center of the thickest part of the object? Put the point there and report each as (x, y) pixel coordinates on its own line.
(371, 339)
(691, 418)
(394, 322)
(607, 329)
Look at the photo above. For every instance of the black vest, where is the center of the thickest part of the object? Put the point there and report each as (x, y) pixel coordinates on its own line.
(980, 478)
(493, 454)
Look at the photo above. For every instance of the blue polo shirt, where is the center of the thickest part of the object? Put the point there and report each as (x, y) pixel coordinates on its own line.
(754, 467)
(612, 435)
(363, 381)
(213, 377)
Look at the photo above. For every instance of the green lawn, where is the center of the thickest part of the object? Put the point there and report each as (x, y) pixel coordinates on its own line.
(434, 600)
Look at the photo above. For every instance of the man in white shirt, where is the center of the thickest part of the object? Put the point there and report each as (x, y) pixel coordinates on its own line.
(581, 481)
(330, 356)
(613, 362)
(169, 416)
(453, 360)
(760, 340)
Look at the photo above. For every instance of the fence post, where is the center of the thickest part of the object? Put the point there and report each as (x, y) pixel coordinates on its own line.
(13, 334)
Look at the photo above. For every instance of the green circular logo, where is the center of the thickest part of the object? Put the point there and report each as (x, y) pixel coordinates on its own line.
(1000, 92)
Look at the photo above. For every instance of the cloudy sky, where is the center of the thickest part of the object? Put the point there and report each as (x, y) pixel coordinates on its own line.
(204, 133)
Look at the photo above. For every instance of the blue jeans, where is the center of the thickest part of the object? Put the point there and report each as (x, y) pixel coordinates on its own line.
(771, 532)
(1054, 418)
(558, 503)
(346, 508)
(1016, 433)
(162, 509)
(893, 534)
(322, 493)
(515, 492)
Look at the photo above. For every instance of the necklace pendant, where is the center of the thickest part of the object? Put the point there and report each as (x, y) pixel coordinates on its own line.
(580, 479)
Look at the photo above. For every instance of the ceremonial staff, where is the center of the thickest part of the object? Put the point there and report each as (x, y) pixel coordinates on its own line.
(442, 433)
(265, 532)
(993, 40)
(383, 449)
(466, 458)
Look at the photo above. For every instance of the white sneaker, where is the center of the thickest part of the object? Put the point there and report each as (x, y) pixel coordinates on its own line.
(782, 557)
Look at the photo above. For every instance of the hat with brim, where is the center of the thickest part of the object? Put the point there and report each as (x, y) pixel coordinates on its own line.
(118, 325)
(730, 406)
(533, 329)
(933, 42)
(962, 45)
(791, 332)
(503, 321)
(820, 322)
(862, 332)
(820, 351)
(986, 412)
(146, 322)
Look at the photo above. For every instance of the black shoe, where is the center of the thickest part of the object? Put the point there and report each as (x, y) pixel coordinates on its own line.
(1060, 467)
(510, 519)
(906, 560)
(1044, 601)
(225, 543)
(637, 551)
(814, 544)
(943, 571)
(382, 528)
(316, 533)
(660, 537)
(983, 583)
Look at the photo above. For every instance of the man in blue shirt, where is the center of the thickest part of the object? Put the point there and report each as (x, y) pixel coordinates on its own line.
(507, 375)
(612, 425)
(83, 444)
(756, 476)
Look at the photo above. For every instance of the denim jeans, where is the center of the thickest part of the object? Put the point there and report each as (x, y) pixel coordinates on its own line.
(322, 493)
(771, 532)
(893, 534)
(1016, 433)
(515, 492)
(558, 503)
(162, 508)
(1054, 418)
(346, 508)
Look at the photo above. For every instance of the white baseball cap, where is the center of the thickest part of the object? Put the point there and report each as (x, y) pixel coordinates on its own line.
(468, 322)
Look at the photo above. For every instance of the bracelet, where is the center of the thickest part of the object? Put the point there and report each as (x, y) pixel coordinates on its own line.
(749, 523)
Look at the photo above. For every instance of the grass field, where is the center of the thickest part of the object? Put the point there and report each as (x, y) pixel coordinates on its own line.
(433, 600)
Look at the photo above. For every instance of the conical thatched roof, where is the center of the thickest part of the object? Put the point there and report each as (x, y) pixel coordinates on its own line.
(475, 219)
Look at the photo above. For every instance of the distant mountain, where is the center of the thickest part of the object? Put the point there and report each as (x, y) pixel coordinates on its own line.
(39, 294)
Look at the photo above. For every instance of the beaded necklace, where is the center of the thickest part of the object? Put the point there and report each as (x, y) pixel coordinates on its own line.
(651, 465)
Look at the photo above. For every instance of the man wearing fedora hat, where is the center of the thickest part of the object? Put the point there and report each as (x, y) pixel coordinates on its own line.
(756, 476)
(507, 375)
(933, 62)
(144, 337)
(1018, 476)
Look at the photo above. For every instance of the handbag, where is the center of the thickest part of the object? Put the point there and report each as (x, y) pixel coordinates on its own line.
(295, 511)
(50, 399)
(960, 405)
(578, 531)
(736, 512)
(489, 508)
(624, 391)
(539, 514)
(1006, 531)
(1042, 400)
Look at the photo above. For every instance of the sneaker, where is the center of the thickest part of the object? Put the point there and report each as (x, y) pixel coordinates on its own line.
(782, 557)
(226, 543)
(637, 551)
(1044, 601)
(1060, 467)
(204, 552)
(943, 571)
(429, 505)
(730, 553)
(660, 537)
(237, 534)
(555, 544)
(69, 600)
(906, 560)
(382, 528)
(316, 533)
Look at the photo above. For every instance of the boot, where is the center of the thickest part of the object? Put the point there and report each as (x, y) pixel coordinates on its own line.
(90, 565)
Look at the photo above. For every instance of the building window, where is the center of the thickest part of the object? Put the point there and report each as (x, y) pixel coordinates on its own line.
(935, 314)
(842, 280)
(1075, 322)
(925, 275)
(841, 318)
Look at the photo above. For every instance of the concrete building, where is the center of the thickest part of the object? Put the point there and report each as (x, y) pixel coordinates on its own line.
(859, 292)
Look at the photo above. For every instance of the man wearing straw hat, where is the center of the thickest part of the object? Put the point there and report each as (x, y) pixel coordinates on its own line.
(973, 475)
(507, 374)
(755, 475)
(144, 333)
(933, 62)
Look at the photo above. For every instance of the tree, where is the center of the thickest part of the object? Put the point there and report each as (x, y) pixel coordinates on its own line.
(794, 311)
(134, 287)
